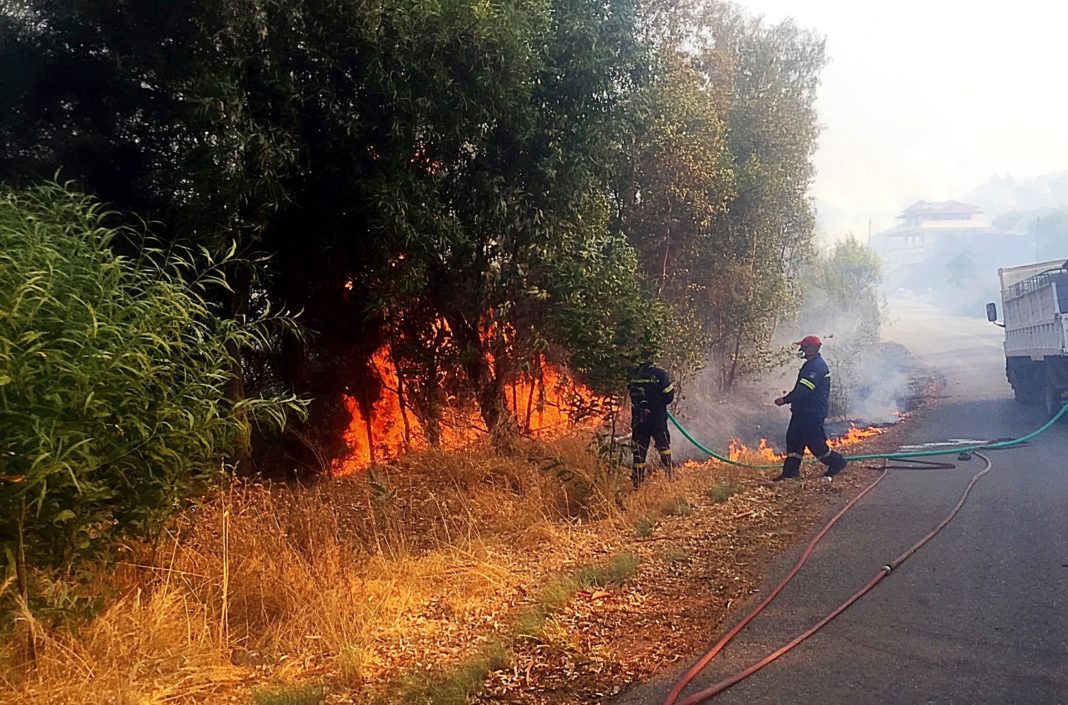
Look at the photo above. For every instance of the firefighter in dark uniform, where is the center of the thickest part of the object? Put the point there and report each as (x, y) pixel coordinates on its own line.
(808, 404)
(651, 391)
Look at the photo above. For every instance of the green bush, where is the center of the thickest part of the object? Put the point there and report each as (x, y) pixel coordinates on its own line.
(113, 378)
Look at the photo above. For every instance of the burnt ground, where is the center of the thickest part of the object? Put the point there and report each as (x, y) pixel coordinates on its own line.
(698, 573)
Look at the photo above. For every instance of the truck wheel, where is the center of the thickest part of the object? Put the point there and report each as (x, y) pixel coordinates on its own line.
(1051, 399)
(1025, 394)
(1028, 380)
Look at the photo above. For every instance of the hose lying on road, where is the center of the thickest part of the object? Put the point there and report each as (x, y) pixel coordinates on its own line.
(995, 445)
(700, 696)
(702, 663)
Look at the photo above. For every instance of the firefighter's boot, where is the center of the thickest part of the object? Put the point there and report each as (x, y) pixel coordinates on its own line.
(835, 463)
(791, 468)
(637, 474)
(669, 466)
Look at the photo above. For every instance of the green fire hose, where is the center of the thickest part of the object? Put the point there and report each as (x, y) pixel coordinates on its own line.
(910, 454)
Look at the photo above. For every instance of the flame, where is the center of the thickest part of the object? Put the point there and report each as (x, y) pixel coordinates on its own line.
(542, 406)
(739, 452)
(854, 435)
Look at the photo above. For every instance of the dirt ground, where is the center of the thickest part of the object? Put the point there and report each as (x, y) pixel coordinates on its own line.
(697, 575)
(697, 572)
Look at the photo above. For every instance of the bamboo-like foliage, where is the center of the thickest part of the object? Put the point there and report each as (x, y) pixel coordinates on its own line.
(476, 187)
(113, 373)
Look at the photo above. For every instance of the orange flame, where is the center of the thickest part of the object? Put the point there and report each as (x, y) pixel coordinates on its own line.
(854, 435)
(540, 406)
(739, 452)
(389, 429)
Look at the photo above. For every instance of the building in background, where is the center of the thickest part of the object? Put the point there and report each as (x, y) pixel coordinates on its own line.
(949, 251)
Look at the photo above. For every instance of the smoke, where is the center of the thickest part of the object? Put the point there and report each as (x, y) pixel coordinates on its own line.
(746, 414)
(873, 382)
(871, 386)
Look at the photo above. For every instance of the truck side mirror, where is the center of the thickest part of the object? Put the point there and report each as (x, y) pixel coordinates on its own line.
(992, 312)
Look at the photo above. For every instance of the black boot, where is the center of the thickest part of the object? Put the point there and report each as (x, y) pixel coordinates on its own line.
(669, 465)
(835, 464)
(637, 475)
(791, 469)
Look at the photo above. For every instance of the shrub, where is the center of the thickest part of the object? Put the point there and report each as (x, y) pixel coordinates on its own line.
(113, 379)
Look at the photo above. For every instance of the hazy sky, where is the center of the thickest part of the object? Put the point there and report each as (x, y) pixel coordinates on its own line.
(927, 100)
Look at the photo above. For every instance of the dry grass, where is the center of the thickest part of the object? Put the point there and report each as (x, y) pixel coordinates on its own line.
(352, 579)
(406, 583)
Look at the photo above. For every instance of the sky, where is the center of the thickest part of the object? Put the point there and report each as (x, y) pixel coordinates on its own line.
(929, 100)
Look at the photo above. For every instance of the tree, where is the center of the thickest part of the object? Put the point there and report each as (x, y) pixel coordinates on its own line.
(678, 180)
(722, 177)
(397, 156)
(961, 268)
(434, 177)
(842, 297)
(474, 210)
(767, 230)
(113, 377)
(1050, 232)
(842, 292)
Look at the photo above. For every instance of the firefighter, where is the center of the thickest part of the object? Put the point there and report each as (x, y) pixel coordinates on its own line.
(651, 391)
(808, 404)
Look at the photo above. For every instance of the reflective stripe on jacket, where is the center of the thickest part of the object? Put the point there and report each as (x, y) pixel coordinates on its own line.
(812, 393)
(650, 388)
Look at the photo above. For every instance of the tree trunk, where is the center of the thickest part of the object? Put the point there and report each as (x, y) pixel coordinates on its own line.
(488, 388)
(732, 369)
(402, 403)
(294, 372)
(664, 259)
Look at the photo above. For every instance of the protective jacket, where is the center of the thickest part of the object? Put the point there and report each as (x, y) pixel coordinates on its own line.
(650, 391)
(650, 388)
(811, 394)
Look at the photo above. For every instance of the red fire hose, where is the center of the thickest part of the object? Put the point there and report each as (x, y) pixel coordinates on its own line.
(695, 670)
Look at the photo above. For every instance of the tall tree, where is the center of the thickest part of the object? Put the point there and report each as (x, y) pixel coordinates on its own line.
(715, 198)
(765, 235)
(415, 169)
(678, 181)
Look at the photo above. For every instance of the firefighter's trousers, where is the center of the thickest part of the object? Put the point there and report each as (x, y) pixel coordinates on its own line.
(807, 432)
(652, 427)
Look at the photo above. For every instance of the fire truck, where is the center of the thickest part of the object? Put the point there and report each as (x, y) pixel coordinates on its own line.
(1034, 300)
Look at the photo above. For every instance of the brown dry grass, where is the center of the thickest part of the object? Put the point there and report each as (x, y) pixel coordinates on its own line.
(361, 582)
(346, 577)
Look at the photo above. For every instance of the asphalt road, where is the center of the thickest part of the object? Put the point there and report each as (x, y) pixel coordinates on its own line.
(979, 615)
